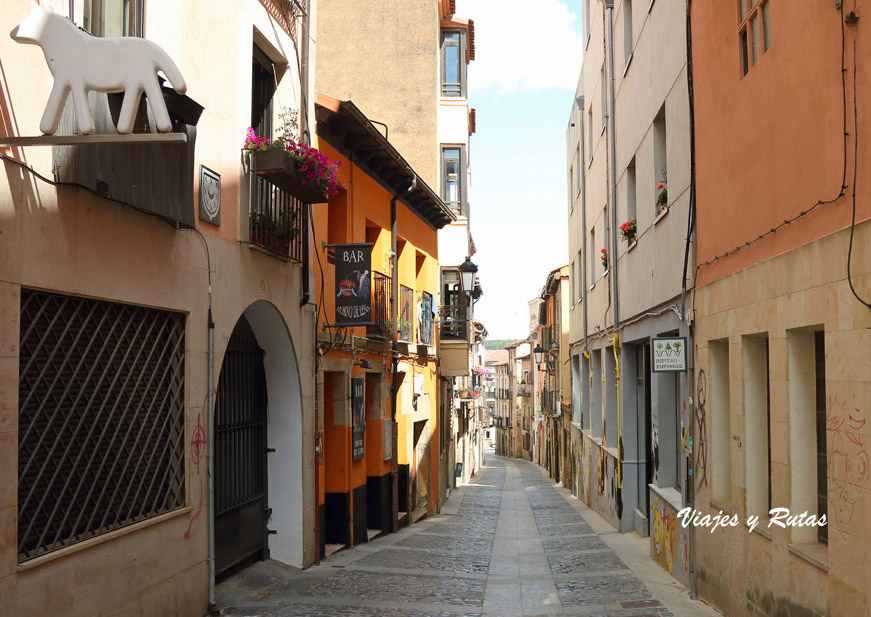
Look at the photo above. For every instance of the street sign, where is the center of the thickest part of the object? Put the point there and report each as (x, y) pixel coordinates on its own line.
(669, 355)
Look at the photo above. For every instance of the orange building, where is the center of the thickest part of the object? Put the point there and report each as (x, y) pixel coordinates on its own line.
(388, 369)
(782, 338)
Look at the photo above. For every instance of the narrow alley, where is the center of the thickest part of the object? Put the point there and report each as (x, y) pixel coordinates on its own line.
(510, 543)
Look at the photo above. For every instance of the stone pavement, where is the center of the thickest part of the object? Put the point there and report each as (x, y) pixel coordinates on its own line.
(510, 544)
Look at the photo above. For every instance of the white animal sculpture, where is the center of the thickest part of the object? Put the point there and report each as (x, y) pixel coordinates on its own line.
(81, 63)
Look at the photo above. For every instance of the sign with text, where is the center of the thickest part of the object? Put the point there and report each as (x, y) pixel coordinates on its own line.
(353, 284)
(669, 355)
(358, 411)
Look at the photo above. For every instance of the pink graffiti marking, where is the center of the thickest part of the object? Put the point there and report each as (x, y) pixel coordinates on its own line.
(198, 444)
(198, 449)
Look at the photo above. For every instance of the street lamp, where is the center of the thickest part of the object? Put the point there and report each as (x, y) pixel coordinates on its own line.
(467, 275)
(538, 352)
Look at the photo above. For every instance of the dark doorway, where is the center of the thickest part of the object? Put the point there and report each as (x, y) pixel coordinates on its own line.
(240, 453)
(642, 397)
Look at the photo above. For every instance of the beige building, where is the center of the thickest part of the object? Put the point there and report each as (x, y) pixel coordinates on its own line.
(552, 335)
(108, 374)
(628, 167)
(783, 308)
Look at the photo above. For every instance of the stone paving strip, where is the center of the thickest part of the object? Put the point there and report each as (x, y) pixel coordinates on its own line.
(510, 544)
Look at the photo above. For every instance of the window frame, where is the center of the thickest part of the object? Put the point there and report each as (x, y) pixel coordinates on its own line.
(754, 12)
(460, 91)
(135, 19)
(460, 208)
(628, 35)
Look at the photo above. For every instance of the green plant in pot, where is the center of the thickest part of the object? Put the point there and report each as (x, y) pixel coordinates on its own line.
(285, 230)
(261, 226)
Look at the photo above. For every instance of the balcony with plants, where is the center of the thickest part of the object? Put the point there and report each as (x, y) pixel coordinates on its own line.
(285, 176)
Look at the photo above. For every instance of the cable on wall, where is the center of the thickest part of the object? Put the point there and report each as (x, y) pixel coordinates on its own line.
(821, 202)
(855, 164)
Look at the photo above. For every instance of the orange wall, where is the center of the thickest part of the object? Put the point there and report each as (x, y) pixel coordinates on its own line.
(362, 204)
(770, 144)
(368, 204)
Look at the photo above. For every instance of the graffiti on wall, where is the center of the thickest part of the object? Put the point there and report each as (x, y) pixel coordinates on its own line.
(605, 498)
(669, 539)
(198, 447)
(586, 471)
(849, 459)
(654, 440)
(701, 441)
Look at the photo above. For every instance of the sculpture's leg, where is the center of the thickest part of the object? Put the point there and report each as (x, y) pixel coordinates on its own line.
(128, 109)
(158, 107)
(83, 110)
(53, 108)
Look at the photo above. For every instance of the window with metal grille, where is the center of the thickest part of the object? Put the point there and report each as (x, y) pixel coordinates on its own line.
(101, 418)
(822, 453)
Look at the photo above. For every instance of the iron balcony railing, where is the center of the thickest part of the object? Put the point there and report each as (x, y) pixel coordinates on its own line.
(453, 324)
(523, 390)
(549, 401)
(277, 220)
(382, 324)
(425, 319)
(549, 339)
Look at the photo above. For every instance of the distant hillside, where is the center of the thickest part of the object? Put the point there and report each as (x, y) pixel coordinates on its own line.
(497, 343)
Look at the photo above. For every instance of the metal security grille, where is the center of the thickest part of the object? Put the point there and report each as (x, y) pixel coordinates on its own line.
(240, 451)
(101, 418)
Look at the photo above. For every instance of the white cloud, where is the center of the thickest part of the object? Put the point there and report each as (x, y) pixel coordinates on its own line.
(522, 45)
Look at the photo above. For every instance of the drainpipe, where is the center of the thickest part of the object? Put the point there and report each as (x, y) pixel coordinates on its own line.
(306, 139)
(613, 261)
(210, 386)
(304, 75)
(394, 369)
(690, 253)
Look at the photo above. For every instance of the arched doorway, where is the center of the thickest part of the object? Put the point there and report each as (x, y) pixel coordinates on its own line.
(240, 453)
(258, 445)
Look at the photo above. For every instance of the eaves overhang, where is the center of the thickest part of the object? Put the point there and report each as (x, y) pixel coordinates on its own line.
(347, 129)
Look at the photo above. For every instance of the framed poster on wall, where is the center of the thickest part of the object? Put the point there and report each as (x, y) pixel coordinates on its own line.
(358, 411)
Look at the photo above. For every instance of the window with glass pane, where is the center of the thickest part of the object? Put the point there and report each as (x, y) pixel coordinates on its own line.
(754, 31)
(452, 193)
(113, 18)
(452, 63)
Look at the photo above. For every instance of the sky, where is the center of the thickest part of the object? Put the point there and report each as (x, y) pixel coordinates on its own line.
(522, 84)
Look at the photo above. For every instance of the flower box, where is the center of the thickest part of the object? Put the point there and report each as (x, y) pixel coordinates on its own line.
(278, 168)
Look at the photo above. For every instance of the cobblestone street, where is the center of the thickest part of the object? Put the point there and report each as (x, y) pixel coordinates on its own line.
(509, 544)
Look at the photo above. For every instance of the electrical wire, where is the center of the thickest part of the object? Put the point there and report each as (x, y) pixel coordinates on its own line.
(822, 202)
(208, 262)
(24, 165)
(176, 226)
(855, 171)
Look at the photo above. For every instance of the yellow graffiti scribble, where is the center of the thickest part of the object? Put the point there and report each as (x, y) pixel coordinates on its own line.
(664, 532)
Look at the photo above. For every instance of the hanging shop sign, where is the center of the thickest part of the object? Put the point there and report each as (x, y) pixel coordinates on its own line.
(669, 355)
(358, 411)
(353, 284)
